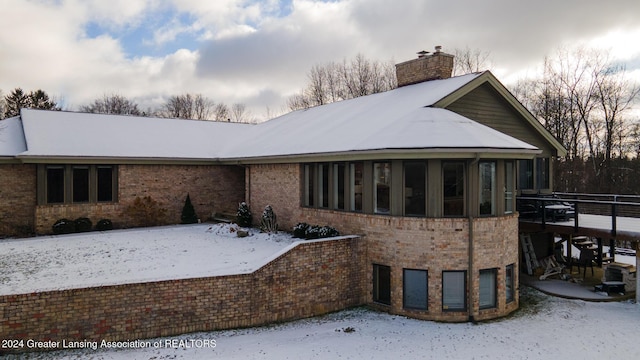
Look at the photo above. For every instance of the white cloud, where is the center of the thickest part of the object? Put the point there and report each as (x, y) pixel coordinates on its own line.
(256, 53)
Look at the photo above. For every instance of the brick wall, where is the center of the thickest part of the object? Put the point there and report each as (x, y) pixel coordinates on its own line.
(436, 66)
(212, 189)
(311, 279)
(432, 244)
(277, 185)
(18, 194)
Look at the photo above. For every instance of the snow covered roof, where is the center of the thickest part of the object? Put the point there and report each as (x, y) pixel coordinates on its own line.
(79, 135)
(398, 119)
(403, 119)
(11, 137)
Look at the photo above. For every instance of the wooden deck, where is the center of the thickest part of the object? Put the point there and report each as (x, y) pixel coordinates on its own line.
(600, 226)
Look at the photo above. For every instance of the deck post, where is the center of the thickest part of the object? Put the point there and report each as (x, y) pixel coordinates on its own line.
(614, 222)
(637, 277)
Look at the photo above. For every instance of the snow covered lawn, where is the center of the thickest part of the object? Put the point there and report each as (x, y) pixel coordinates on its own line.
(544, 328)
(130, 256)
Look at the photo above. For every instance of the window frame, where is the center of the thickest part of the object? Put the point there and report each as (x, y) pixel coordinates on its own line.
(446, 307)
(463, 183)
(509, 278)
(356, 186)
(384, 165)
(376, 284)
(405, 189)
(491, 188)
(69, 183)
(509, 187)
(492, 275)
(406, 291)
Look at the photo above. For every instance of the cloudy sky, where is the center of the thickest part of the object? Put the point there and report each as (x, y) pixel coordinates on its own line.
(258, 52)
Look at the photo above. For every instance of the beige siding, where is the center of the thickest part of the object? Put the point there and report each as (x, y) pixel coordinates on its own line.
(487, 107)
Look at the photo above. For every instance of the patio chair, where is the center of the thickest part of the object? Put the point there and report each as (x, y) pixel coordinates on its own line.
(587, 258)
(552, 267)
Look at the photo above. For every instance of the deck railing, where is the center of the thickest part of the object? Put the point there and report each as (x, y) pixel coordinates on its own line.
(597, 204)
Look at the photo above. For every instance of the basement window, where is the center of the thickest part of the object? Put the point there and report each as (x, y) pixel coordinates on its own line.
(488, 288)
(454, 290)
(415, 284)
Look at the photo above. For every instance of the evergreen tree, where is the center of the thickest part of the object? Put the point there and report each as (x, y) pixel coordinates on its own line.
(14, 102)
(18, 99)
(188, 212)
(244, 216)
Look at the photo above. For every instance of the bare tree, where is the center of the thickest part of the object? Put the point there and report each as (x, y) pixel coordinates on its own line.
(346, 80)
(582, 100)
(188, 106)
(222, 112)
(240, 114)
(469, 60)
(113, 104)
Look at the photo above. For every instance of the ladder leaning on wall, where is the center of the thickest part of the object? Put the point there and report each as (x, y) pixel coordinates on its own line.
(529, 253)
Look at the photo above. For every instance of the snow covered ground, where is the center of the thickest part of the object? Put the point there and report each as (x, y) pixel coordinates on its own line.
(130, 256)
(544, 328)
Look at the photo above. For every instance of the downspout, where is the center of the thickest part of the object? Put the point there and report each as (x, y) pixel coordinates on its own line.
(470, 218)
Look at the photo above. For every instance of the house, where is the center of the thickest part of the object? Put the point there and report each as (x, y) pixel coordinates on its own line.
(427, 172)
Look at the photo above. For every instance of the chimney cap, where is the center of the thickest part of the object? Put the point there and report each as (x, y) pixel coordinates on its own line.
(422, 53)
(438, 48)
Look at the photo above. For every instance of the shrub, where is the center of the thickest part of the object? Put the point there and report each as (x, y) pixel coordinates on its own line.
(310, 232)
(327, 231)
(244, 217)
(145, 212)
(269, 221)
(104, 224)
(63, 226)
(83, 224)
(313, 232)
(299, 230)
(188, 212)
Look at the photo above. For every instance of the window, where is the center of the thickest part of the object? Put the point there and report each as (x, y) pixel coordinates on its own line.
(382, 186)
(338, 187)
(55, 184)
(453, 189)
(454, 290)
(105, 183)
(487, 188)
(415, 185)
(355, 182)
(382, 284)
(508, 187)
(542, 173)
(525, 174)
(323, 182)
(415, 284)
(80, 184)
(488, 288)
(64, 184)
(509, 288)
(309, 180)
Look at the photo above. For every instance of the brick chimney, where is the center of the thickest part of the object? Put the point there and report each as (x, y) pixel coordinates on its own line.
(426, 67)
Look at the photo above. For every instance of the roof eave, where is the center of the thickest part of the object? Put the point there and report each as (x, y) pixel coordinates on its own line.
(389, 154)
(66, 159)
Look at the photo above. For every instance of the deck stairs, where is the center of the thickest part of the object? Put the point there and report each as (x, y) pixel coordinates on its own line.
(529, 253)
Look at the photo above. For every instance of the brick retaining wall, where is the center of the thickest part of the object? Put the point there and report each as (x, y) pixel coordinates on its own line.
(311, 279)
